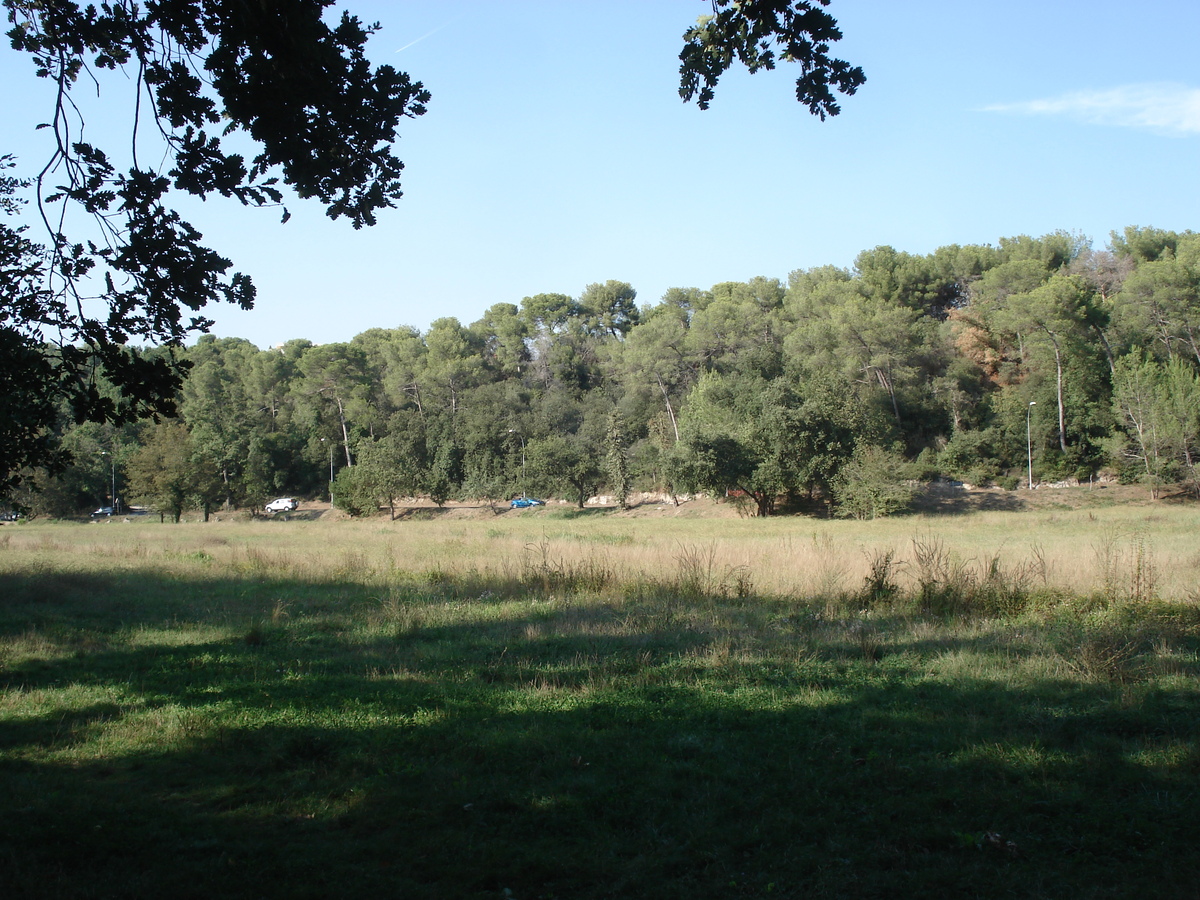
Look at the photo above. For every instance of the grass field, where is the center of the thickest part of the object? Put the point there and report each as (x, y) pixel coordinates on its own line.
(562, 705)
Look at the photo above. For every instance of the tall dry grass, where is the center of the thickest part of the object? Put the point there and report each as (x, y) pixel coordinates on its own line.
(1114, 553)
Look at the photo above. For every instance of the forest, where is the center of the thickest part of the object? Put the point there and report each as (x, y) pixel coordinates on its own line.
(837, 392)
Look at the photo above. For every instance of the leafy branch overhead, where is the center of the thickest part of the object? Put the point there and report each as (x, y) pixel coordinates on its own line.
(275, 71)
(200, 77)
(757, 33)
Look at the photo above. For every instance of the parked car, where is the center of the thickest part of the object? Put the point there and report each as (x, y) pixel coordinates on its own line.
(102, 512)
(283, 504)
(525, 502)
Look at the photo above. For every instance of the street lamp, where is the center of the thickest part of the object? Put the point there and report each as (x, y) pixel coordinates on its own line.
(330, 472)
(1029, 440)
(522, 440)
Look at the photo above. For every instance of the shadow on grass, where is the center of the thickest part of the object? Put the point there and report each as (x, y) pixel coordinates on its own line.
(952, 502)
(561, 751)
(296, 515)
(574, 512)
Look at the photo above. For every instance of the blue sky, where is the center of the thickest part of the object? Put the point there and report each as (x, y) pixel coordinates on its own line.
(556, 152)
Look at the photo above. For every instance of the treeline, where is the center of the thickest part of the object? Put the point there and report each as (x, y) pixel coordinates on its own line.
(833, 391)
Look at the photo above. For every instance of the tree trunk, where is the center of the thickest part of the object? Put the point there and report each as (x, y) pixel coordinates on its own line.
(1058, 371)
(1062, 416)
(670, 411)
(1108, 354)
(886, 383)
(345, 431)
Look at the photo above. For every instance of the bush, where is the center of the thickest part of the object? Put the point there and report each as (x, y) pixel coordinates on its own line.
(873, 483)
(968, 457)
(354, 493)
(925, 467)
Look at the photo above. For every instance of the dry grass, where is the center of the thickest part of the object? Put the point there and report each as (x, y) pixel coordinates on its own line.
(1117, 552)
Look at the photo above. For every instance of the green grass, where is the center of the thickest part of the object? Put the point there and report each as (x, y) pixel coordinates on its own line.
(343, 710)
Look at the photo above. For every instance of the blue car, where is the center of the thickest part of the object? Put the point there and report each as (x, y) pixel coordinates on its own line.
(525, 502)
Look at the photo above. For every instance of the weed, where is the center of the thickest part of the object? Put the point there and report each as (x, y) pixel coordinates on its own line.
(1105, 654)
(1038, 567)
(1005, 590)
(698, 575)
(879, 587)
(1143, 574)
(949, 585)
(737, 582)
(437, 578)
(553, 573)
(694, 570)
(830, 574)
(865, 634)
(1126, 564)
(941, 581)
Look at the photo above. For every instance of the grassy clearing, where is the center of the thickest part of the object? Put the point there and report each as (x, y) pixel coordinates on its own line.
(564, 706)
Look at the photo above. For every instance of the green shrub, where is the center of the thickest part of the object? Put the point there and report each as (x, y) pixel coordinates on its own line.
(874, 483)
(354, 493)
(968, 456)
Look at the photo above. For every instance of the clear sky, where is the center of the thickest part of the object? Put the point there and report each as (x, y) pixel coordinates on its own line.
(556, 153)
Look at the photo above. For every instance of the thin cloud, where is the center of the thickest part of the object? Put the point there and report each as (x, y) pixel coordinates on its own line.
(429, 33)
(1163, 108)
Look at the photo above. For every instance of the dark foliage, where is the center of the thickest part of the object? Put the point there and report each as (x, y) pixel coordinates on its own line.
(758, 32)
(131, 268)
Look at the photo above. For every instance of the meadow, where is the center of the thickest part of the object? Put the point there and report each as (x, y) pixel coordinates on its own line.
(550, 704)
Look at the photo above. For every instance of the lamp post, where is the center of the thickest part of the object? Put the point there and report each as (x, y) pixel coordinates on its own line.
(522, 440)
(1029, 440)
